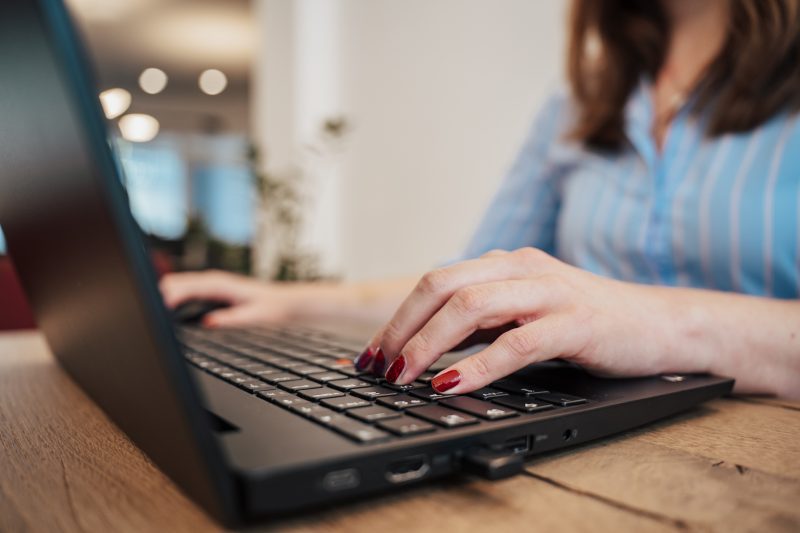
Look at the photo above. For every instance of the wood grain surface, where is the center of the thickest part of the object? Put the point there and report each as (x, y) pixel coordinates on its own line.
(730, 465)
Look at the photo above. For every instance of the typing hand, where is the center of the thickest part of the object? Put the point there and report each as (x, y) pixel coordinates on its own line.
(561, 311)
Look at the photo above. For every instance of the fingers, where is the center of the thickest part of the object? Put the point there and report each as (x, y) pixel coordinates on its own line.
(437, 286)
(477, 307)
(543, 339)
(210, 285)
(484, 336)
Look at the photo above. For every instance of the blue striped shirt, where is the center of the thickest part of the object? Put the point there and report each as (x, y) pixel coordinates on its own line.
(719, 213)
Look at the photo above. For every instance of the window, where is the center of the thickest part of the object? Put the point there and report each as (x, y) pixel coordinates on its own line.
(155, 176)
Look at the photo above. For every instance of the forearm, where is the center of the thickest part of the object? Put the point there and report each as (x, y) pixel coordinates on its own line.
(755, 340)
(362, 301)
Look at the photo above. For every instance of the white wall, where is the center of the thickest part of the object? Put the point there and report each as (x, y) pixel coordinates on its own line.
(439, 93)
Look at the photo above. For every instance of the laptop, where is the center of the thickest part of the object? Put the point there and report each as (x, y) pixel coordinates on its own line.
(249, 423)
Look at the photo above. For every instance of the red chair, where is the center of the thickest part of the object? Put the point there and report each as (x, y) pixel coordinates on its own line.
(15, 313)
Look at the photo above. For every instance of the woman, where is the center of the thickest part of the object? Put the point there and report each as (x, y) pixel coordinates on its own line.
(652, 216)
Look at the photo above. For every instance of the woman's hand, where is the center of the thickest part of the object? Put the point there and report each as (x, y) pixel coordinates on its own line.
(251, 301)
(254, 302)
(608, 326)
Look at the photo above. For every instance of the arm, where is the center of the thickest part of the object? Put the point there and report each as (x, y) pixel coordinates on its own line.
(754, 339)
(255, 302)
(608, 326)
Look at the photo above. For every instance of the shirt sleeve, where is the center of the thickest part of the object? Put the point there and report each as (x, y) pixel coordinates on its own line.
(524, 210)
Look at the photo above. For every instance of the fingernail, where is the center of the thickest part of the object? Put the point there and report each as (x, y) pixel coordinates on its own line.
(362, 361)
(395, 369)
(379, 363)
(445, 382)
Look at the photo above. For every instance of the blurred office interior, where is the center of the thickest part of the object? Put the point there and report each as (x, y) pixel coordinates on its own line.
(305, 139)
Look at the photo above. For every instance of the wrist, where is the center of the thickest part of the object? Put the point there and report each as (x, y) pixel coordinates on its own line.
(685, 332)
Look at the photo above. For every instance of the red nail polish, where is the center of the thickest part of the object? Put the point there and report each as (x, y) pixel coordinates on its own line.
(380, 362)
(445, 382)
(363, 360)
(395, 369)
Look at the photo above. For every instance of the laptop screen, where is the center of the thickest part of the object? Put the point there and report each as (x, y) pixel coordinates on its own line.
(79, 253)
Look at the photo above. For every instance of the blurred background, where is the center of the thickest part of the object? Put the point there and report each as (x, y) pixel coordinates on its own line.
(308, 139)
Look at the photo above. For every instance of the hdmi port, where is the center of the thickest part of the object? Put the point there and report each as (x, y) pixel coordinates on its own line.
(408, 469)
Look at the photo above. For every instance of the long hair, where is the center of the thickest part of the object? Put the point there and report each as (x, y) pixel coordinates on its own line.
(613, 43)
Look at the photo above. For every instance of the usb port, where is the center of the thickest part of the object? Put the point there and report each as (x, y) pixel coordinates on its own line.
(517, 445)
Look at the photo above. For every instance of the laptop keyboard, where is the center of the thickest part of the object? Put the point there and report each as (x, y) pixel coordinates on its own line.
(311, 373)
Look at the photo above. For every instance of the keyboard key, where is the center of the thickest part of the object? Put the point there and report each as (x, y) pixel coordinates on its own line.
(518, 387)
(402, 401)
(298, 353)
(372, 413)
(320, 360)
(487, 393)
(321, 393)
(256, 385)
(377, 380)
(404, 388)
(527, 405)
(341, 351)
(309, 369)
(304, 407)
(373, 392)
(290, 364)
(323, 415)
(443, 416)
(229, 374)
(271, 359)
(426, 377)
(347, 384)
(274, 395)
(429, 394)
(268, 371)
(251, 364)
(345, 402)
(559, 398)
(327, 376)
(250, 351)
(298, 384)
(272, 379)
(292, 402)
(232, 359)
(406, 426)
(203, 364)
(240, 379)
(340, 363)
(486, 410)
(252, 368)
(350, 370)
(357, 431)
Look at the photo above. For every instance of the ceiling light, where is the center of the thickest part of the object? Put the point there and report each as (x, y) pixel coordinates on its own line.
(212, 81)
(115, 102)
(153, 80)
(138, 128)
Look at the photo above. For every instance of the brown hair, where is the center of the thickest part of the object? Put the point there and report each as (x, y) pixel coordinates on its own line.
(614, 42)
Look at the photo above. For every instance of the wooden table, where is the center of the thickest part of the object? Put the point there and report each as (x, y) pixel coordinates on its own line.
(731, 465)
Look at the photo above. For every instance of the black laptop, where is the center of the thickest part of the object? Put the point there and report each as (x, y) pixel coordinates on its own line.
(249, 423)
